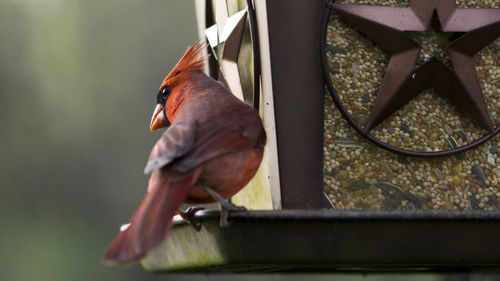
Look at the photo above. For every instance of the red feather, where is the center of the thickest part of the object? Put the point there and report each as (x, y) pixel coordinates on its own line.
(190, 61)
(152, 220)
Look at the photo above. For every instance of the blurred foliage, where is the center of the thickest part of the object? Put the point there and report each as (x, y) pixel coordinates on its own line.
(77, 87)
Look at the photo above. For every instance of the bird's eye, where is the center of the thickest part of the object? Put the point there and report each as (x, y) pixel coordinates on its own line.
(163, 94)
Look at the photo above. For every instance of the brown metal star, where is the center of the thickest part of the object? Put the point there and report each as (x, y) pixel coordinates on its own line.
(225, 38)
(403, 80)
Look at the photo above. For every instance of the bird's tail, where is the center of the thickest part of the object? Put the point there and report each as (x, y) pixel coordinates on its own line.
(152, 220)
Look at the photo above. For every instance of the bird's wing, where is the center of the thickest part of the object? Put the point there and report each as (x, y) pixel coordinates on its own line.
(195, 142)
(177, 140)
(221, 136)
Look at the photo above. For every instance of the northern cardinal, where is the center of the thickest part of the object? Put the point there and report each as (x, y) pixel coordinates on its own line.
(212, 148)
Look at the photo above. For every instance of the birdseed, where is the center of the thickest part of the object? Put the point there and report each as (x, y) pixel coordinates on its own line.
(360, 175)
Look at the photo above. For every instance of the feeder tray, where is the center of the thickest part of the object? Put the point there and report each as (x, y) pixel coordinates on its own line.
(307, 240)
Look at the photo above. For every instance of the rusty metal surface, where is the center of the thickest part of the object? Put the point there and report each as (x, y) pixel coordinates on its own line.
(403, 79)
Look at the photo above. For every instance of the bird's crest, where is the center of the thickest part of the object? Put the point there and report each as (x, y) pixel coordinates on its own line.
(190, 61)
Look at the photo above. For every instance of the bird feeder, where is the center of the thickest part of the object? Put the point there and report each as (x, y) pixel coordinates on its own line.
(382, 119)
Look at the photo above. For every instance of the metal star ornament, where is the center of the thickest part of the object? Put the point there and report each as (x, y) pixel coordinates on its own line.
(225, 39)
(403, 79)
(407, 75)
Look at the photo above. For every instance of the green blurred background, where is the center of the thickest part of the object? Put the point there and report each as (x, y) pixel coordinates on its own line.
(77, 87)
(78, 81)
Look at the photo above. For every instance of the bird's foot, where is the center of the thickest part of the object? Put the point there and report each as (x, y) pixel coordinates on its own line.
(225, 207)
(189, 216)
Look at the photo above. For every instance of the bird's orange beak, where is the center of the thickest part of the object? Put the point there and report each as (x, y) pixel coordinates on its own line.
(158, 120)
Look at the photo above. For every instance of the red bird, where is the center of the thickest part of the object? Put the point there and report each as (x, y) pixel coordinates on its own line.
(211, 150)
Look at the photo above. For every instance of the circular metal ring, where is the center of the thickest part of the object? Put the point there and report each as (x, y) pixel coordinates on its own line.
(359, 129)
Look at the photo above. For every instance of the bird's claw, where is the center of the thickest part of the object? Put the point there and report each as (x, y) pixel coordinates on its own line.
(225, 208)
(188, 215)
